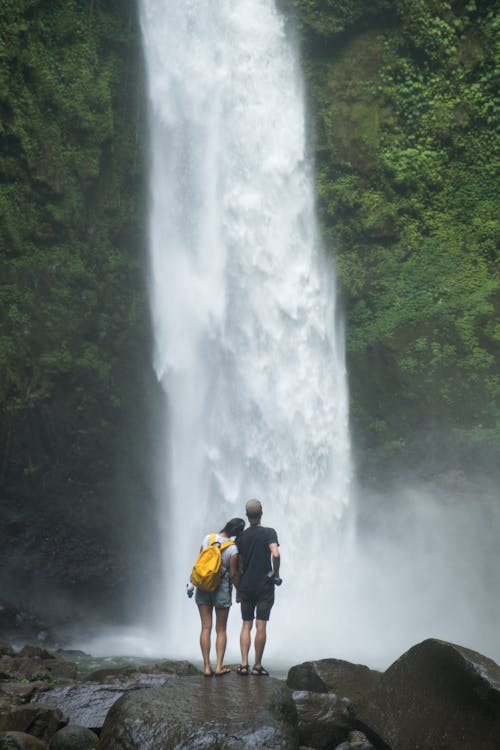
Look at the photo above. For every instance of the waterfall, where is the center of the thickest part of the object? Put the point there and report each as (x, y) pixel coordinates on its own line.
(247, 347)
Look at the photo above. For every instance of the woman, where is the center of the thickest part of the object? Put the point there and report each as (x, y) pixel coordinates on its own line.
(220, 599)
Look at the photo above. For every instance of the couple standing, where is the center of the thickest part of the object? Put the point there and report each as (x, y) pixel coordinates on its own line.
(252, 565)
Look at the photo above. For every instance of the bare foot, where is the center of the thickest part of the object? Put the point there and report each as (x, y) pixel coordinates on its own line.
(223, 670)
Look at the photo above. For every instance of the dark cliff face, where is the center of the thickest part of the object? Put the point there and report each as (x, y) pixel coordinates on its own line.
(404, 118)
(76, 388)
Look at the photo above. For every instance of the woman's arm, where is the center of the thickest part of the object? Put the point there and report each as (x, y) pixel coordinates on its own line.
(234, 572)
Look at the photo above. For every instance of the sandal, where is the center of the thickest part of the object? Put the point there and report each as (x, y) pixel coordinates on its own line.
(243, 669)
(260, 672)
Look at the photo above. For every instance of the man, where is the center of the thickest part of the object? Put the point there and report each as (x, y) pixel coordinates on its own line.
(259, 573)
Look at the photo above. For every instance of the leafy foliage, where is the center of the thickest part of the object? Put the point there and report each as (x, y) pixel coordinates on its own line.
(406, 112)
(74, 332)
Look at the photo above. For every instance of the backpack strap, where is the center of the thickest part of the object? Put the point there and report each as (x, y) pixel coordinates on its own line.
(221, 545)
(224, 546)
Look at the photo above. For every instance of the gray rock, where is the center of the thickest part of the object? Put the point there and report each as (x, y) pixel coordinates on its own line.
(24, 666)
(14, 694)
(436, 695)
(140, 673)
(86, 704)
(31, 651)
(341, 677)
(323, 719)
(195, 713)
(37, 719)
(356, 741)
(21, 741)
(74, 737)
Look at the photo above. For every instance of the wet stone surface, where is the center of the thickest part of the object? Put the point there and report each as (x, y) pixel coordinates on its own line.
(195, 712)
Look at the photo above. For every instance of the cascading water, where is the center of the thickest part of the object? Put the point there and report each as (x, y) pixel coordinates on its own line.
(247, 348)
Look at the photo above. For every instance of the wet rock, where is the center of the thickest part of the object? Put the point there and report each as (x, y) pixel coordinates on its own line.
(74, 737)
(85, 704)
(341, 677)
(195, 713)
(356, 741)
(35, 663)
(437, 695)
(88, 702)
(140, 673)
(21, 741)
(35, 652)
(323, 719)
(16, 693)
(37, 719)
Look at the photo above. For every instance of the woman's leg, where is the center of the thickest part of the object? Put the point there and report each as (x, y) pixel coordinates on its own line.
(205, 636)
(245, 640)
(221, 615)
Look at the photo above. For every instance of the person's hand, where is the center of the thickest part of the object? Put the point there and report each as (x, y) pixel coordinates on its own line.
(277, 581)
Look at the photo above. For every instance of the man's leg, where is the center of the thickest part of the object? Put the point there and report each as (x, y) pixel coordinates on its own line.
(205, 635)
(263, 610)
(260, 641)
(221, 614)
(245, 640)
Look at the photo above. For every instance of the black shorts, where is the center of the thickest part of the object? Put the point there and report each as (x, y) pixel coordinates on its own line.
(262, 602)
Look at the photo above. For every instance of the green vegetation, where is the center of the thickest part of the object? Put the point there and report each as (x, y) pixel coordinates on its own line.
(74, 331)
(404, 101)
(405, 106)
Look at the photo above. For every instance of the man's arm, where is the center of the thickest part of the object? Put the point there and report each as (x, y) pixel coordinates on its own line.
(275, 555)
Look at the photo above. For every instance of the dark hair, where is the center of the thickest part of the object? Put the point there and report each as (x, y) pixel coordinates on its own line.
(234, 527)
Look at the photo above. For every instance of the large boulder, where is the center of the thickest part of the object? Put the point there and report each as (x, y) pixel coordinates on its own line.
(197, 713)
(37, 719)
(88, 702)
(437, 695)
(74, 737)
(16, 693)
(35, 663)
(333, 675)
(33, 651)
(323, 719)
(21, 741)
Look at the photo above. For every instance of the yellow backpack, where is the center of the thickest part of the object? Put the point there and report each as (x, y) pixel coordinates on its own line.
(207, 570)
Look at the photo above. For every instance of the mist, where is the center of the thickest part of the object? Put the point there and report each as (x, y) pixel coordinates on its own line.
(424, 564)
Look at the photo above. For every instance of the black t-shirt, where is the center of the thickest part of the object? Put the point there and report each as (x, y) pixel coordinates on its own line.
(255, 557)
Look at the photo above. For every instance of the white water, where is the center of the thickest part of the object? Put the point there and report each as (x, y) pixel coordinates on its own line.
(243, 303)
(251, 361)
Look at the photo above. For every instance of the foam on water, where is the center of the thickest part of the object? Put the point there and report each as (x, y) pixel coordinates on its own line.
(243, 302)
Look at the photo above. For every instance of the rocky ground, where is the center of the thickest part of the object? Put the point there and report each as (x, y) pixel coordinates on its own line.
(436, 695)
